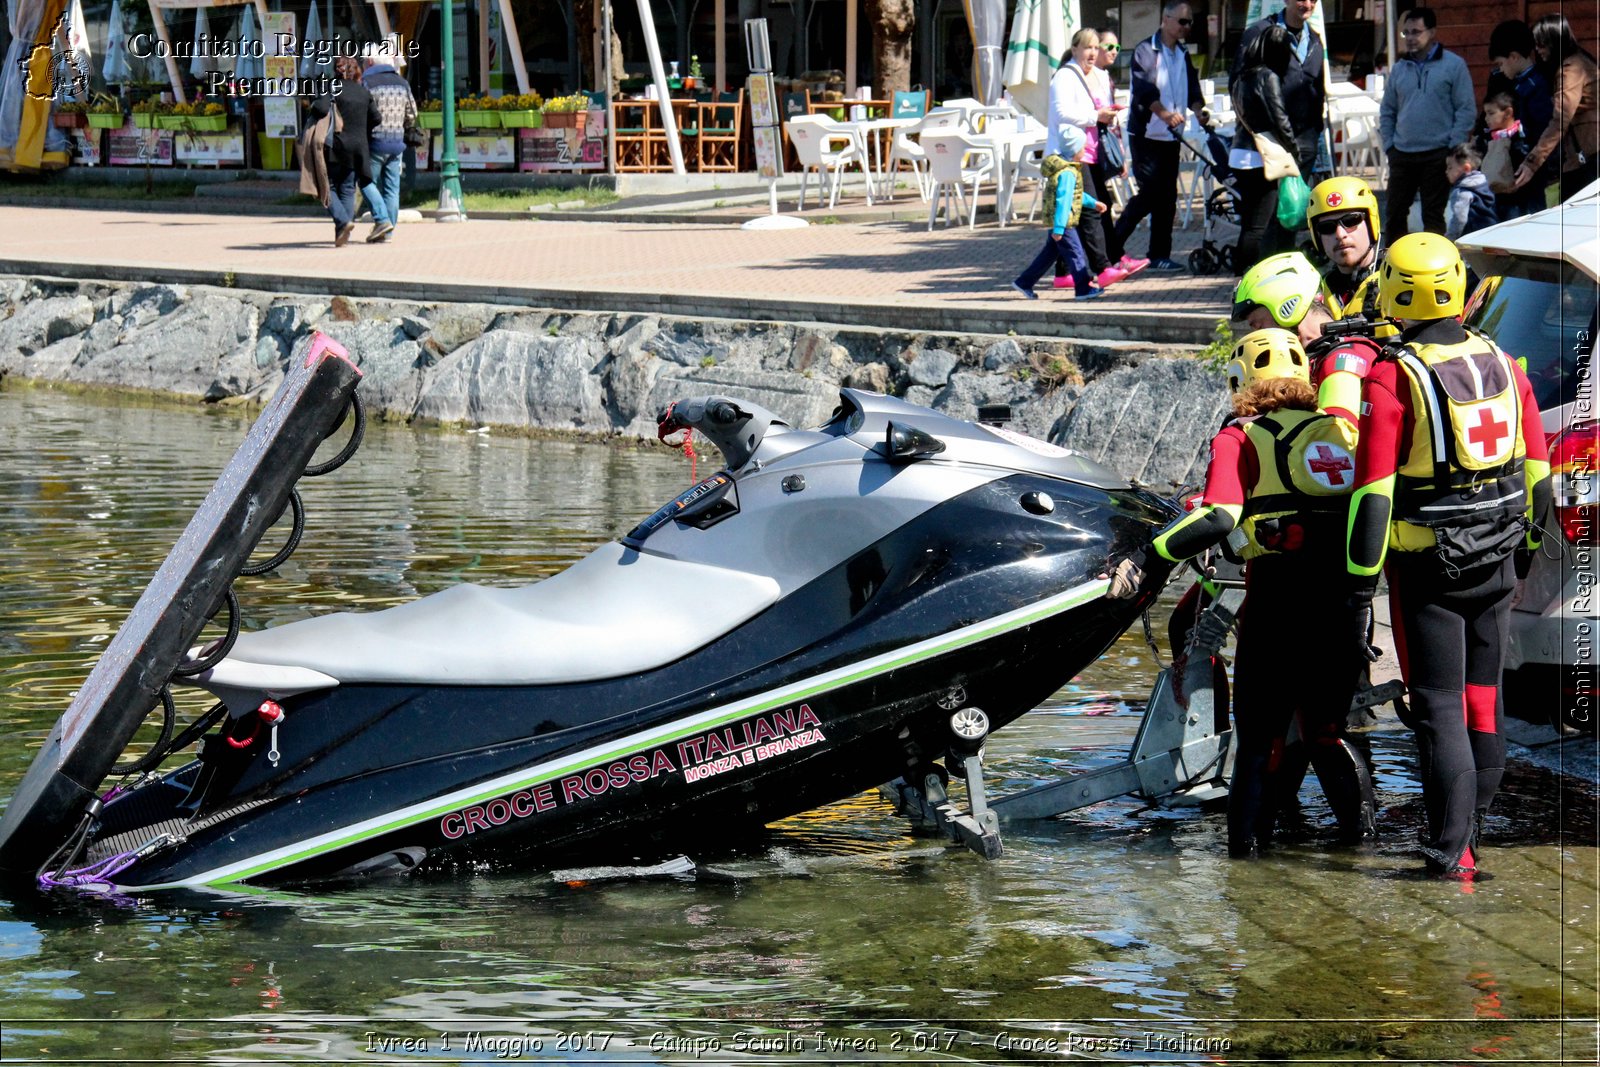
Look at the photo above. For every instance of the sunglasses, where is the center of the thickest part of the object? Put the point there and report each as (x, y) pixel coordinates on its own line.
(1186, 22)
(1348, 221)
(1109, 47)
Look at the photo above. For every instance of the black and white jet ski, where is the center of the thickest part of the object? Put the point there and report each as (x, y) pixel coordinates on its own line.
(797, 628)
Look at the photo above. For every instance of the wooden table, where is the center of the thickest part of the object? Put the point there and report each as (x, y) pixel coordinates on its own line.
(875, 108)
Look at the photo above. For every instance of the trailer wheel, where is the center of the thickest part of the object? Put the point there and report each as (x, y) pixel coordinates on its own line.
(968, 729)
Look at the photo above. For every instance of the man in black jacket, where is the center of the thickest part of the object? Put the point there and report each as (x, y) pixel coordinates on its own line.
(1165, 88)
(1303, 92)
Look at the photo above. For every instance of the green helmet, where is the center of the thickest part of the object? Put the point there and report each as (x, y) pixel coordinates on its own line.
(1285, 284)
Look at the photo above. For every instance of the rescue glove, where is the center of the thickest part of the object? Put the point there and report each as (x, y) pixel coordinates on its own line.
(1126, 573)
(1361, 623)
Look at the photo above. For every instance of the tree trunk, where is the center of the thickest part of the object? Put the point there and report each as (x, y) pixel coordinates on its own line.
(892, 24)
(589, 18)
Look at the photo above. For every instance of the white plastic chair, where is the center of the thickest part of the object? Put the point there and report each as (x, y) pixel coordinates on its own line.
(1358, 140)
(1030, 168)
(979, 118)
(1375, 86)
(826, 147)
(908, 149)
(954, 159)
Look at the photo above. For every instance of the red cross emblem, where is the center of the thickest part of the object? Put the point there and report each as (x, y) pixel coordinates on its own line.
(1486, 435)
(1335, 199)
(1328, 464)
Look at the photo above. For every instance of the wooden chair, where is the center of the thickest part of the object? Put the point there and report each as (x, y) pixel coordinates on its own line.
(912, 105)
(720, 126)
(635, 120)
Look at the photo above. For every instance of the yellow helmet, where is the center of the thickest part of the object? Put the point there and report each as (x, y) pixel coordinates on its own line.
(1339, 195)
(1422, 277)
(1285, 284)
(1265, 354)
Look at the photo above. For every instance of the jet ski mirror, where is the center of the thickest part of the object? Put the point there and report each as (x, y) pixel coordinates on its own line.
(736, 429)
(902, 444)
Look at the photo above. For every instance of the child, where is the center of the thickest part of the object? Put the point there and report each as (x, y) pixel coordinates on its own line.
(1064, 200)
(1471, 204)
(1504, 152)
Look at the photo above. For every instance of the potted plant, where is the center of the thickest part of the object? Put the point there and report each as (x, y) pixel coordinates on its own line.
(565, 110)
(105, 113)
(210, 117)
(148, 111)
(71, 115)
(430, 114)
(694, 77)
(521, 112)
(476, 113)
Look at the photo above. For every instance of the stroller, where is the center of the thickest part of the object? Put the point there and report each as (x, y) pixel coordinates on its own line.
(1221, 203)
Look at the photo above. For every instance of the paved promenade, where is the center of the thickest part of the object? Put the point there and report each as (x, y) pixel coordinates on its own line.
(888, 273)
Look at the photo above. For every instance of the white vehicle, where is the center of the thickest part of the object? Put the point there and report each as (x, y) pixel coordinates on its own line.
(1537, 300)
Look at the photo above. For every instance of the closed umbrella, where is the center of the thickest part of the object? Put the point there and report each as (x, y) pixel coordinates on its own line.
(1041, 31)
(116, 70)
(986, 19)
(248, 65)
(310, 63)
(79, 59)
(202, 64)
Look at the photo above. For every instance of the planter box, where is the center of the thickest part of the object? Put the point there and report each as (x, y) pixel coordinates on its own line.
(561, 118)
(430, 120)
(102, 121)
(146, 120)
(522, 120)
(193, 123)
(70, 120)
(478, 120)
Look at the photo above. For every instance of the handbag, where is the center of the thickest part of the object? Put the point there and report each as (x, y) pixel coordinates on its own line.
(414, 137)
(1277, 162)
(1110, 144)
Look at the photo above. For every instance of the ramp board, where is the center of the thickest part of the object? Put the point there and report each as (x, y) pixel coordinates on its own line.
(189, 587)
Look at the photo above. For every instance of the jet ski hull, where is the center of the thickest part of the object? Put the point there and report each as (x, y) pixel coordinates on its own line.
(844, 683)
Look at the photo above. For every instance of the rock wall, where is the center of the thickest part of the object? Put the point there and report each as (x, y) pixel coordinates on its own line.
(1147, 410)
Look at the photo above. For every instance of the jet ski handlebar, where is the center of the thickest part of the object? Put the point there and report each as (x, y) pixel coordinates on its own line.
(736, 428)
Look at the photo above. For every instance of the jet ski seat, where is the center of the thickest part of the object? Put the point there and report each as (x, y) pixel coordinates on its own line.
(615, 612)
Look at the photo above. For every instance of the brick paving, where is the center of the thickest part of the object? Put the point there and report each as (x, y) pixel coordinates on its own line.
(882, 271)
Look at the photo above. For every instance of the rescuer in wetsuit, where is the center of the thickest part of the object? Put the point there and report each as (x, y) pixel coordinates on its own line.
(1451, 473)
(1281, 472)
(1343, 219)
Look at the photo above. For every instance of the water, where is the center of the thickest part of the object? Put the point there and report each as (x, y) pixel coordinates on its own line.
(1119, 934)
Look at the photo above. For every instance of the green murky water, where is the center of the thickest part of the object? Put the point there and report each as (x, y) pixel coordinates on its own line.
(1119, 934)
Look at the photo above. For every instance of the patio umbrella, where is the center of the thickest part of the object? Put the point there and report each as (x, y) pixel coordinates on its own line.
(116, 70)
(201, 65)
(1041, 32)
(248, 65)
(310, 63)
(986, 19)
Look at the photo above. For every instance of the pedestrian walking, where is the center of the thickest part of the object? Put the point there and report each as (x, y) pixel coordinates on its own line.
(1073, 103)
(1166, 87)
(1112, 160)
(349, 151)
(1064, 202)
(397, 108)
(1428, 108)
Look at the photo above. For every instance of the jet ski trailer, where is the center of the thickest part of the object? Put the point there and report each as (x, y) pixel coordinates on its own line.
(827, 611)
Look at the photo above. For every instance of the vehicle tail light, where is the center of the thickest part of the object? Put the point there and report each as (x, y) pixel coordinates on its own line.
(1575, 481)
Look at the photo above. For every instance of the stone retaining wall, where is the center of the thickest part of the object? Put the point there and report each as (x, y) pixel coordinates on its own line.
(1148, 410)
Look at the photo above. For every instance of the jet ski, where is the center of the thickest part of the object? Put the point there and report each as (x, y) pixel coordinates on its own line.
(832, 608)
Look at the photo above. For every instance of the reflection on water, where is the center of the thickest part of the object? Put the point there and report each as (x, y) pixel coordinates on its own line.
(1119, 933)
